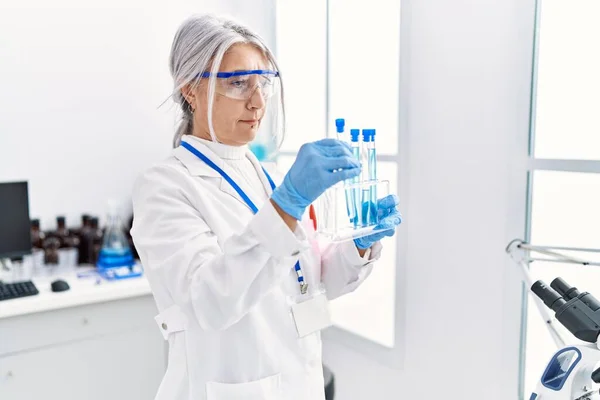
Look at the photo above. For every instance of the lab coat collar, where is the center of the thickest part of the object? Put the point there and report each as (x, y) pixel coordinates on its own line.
(197, 167)
(194, 165)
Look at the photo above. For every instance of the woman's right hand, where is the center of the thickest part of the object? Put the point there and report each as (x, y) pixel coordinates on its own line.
(318, 166)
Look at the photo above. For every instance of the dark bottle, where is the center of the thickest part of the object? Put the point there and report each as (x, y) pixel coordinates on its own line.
(97, 236)
(62, 233)
(74, 243)
(37, 243)
(49, 234)
(37, 236)
(66, 252)
(85, 241)
(77, 231)
(51, 246)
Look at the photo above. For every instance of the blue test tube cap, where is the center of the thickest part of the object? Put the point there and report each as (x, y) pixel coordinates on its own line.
(354, 134)
(339, 125)
(366, 135)
(372, 135)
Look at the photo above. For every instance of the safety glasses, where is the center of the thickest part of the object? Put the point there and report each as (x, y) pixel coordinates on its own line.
(241, 85)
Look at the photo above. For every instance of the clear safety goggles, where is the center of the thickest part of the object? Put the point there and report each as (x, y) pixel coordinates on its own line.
(241, 85)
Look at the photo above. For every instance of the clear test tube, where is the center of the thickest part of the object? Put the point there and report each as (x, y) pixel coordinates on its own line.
(365, 190)
(372, 157)
(350, 208)
(355, 192)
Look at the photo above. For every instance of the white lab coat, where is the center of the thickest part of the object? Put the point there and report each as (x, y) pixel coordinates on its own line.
(223, 281)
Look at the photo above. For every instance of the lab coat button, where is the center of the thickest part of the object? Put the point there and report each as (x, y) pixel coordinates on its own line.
(164, 326)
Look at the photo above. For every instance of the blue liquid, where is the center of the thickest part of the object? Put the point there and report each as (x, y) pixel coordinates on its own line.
(366, 208)
(355, 192)
(373, 220)
(111, 258)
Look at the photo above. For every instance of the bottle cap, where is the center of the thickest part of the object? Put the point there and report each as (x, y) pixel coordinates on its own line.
(339, 125)
(354, 133)
(366, 135)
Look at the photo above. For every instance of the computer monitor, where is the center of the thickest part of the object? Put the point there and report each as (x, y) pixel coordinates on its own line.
(15, 228)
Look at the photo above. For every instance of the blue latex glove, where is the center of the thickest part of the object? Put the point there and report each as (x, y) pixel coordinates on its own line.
(389, 218)
(318, 166)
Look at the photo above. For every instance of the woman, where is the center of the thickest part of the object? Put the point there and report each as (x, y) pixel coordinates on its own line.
(237, 276)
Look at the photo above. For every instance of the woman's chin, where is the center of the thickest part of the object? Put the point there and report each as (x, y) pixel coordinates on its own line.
(248, 134)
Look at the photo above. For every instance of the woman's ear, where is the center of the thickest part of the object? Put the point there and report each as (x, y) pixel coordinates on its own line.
(189, 95)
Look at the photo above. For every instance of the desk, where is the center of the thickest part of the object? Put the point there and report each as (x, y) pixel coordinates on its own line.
(94, 341)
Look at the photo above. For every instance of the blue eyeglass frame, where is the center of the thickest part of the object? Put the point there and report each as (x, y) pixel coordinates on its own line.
(240, 73)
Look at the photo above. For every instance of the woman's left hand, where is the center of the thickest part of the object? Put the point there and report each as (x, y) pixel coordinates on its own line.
(389, 218)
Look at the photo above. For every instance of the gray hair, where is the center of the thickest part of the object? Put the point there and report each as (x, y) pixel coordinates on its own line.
(203, 39)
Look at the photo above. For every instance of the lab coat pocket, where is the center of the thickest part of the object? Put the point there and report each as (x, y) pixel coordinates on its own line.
(264, 389)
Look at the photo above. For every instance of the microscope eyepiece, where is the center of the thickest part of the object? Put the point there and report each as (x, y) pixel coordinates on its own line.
(578, 312)
(548, 295)
(567, 291)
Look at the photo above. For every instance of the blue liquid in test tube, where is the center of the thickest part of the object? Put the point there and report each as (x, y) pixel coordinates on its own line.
(355, 192)
(372, 156)
(365, 190)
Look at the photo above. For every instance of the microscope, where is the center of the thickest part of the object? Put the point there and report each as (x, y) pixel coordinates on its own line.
(573, 372)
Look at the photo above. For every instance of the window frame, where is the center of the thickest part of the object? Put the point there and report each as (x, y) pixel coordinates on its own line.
(535, 164)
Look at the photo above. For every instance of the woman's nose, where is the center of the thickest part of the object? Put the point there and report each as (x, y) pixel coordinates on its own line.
(257, 100)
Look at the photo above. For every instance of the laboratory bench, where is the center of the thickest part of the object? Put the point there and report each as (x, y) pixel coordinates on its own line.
(97, 340)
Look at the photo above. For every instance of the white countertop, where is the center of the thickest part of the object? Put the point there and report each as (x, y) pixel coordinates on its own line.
(87, 290)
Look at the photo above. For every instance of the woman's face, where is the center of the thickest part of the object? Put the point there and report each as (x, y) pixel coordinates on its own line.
(235, 121)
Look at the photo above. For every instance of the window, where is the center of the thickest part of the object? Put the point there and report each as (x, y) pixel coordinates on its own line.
(341, 59)
(565, 158)
(568, 81)
(369, 311)
(302, 53)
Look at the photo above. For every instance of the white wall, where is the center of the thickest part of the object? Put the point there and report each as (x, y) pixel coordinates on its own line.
(80, 86)
(463, 175)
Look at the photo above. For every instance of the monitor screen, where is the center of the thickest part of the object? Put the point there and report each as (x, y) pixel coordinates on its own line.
(15, 228)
